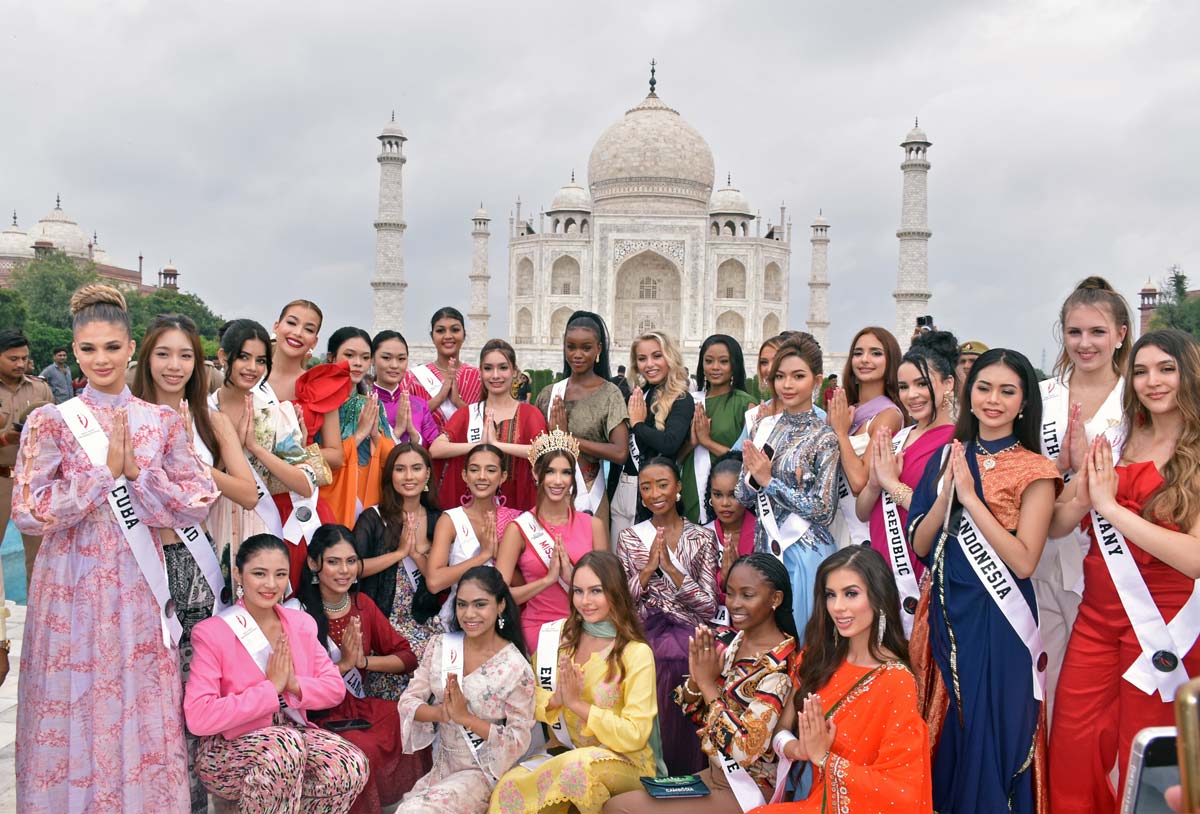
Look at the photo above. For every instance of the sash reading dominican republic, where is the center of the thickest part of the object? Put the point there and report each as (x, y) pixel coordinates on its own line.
(1159, 668)
(897, 546)
(586, 500)
(87, 431)
(452, 662)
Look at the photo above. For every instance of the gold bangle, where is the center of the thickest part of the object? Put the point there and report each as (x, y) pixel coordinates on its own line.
(901, 493)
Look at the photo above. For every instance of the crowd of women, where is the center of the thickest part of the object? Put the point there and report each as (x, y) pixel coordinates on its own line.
(362, 583)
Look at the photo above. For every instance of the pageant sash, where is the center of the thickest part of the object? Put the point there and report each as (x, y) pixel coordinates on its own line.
(741, 783)
(1159, 668)
(415, 578)
(251, 637)
(701, 463)
(433, 385)
(996, 579)
(858, 532)
(635, 454)
(547, 660)
(722, 616)
(465, 546)
(197, 541)
(539, 538)
(646, 532)
(452, 662)
(87, 431)
(794, 527)
(475, 414)
(352, 678)
(897, 547)
(586, 500)
(303, 520)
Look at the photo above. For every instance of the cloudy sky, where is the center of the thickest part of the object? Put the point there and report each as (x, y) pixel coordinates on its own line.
(237, 140)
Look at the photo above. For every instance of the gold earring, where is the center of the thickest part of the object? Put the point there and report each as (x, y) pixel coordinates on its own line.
(426, 489)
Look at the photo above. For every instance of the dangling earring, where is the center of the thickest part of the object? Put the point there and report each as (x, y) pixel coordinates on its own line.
(240, 592)
(426, 489)
(500, 623)
(882, 626)
(946, 400)
(1119, 344)
(316, 580)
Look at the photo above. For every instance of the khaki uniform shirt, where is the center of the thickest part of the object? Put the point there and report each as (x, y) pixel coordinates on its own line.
(13, 405)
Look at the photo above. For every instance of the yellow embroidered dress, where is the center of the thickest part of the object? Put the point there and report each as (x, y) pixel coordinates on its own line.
(612, 748)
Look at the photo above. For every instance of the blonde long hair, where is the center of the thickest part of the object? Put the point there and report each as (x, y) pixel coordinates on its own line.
(1178, 501)
(676, 382)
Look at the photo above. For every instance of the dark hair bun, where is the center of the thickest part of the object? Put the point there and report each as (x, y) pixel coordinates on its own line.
(1094, 283)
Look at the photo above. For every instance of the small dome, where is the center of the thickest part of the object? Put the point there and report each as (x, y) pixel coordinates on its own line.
(480, 214)
(819, 220)
(100, 256)
(729, 201)
(651, 153)
(59, 230)
(392, 129)
(14, 242)
(916, 135)
(571, 198)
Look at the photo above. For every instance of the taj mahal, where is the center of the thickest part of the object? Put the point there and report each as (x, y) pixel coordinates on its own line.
(649, 245)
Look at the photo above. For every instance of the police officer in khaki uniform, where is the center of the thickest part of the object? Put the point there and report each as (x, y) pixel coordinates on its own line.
(19, 395)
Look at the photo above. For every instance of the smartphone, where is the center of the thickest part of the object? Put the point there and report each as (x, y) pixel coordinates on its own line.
(1153, 768)
(347, 724)
(925, 322)
(1187, 722)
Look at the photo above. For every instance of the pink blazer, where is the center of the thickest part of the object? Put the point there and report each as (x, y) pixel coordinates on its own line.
(227, 693)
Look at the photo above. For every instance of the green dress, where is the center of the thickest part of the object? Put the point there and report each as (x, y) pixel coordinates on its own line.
(728, 415)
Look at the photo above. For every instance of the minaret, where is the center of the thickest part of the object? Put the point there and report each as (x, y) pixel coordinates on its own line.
(388, 284)
(477, 316)
(912, 279)
(818, 285)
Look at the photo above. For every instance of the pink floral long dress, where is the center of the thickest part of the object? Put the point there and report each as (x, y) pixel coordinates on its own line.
(99, 717)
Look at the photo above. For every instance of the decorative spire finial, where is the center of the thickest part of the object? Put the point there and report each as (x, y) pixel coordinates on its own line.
(572, 176)
(821, 212)
(916, 121)
(728, 179)
(58, 202)
(393, 115)
(653, 81)
(95, 239)
(14, 217)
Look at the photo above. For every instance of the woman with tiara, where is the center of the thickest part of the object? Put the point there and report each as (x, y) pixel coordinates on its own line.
(99, 712)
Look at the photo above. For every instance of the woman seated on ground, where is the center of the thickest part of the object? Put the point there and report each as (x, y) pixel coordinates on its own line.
(257, 668)
(598, 697)
(360, 641)
(856, 708)
(737, 696)
(474, 695)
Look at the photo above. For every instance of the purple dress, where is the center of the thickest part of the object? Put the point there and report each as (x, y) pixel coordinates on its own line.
(421, 415)
(100, 714)
(869, 409)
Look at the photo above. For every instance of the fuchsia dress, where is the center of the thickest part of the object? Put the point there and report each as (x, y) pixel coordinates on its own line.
(99, 711)
(553, 602)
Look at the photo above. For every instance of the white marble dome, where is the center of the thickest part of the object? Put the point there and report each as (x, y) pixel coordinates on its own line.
(61, 231)
(571, 198)
(916, 135)
(729, 201)
(651, 153)
(14, 242)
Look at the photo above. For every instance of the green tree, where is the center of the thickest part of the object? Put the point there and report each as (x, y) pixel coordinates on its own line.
(143, 308)
(43, 339)
(47, 283)
(1175, 308)
(13, 311)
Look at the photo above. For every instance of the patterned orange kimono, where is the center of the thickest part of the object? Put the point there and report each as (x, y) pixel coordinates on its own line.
(879, 760)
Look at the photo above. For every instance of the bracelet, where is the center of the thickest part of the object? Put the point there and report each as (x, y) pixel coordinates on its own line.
(820, 764)
(782, 738)
(901, 493)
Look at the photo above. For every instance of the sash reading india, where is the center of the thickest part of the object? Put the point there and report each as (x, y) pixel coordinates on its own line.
(87, 431)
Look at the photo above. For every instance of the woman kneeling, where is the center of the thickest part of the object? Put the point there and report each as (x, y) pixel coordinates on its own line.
(257, 668)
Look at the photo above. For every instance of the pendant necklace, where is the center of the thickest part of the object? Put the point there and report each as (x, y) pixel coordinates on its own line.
(988, 462)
